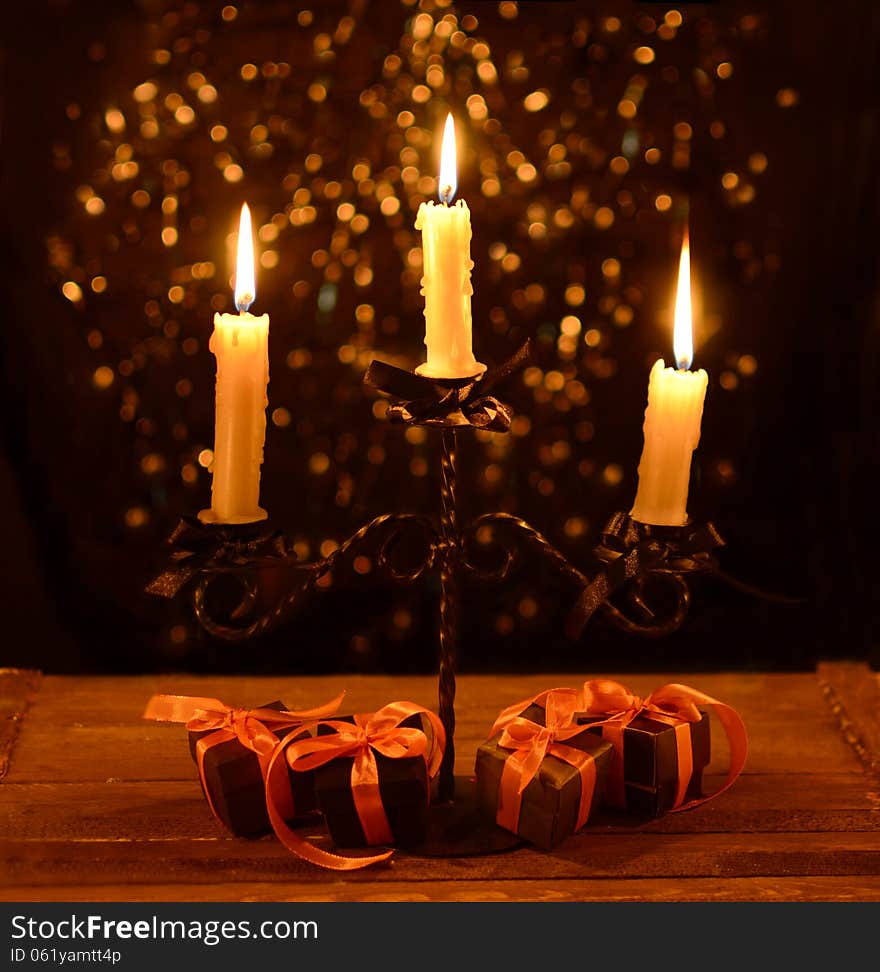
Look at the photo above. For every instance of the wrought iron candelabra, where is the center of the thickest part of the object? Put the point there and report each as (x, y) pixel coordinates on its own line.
(637, 559)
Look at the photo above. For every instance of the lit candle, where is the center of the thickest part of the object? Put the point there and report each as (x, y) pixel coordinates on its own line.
(241, 345)
(672, 419)
(446, 284)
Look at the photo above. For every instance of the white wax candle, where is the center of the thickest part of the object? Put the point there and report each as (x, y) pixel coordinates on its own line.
(672, 419)
(240, 343)
(672, 432)
(446, 283)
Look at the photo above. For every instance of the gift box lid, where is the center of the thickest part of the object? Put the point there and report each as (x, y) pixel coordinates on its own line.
(237, 763)
(554, 773)
(402, 781)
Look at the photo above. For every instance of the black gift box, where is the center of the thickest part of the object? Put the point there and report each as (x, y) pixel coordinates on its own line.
(403, 786)
(233, 777)
(650, 764)
(551, 801)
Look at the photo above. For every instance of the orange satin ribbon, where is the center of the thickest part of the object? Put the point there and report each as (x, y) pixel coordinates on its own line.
(378, 732)
(255, 729)
(531, 743)
(615, 707)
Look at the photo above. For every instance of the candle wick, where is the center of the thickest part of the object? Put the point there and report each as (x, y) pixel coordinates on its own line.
(244, 302)
(446, 195)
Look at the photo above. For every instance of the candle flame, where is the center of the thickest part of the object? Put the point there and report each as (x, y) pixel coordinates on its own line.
(448, 181)
(683, 330)
(245, 281)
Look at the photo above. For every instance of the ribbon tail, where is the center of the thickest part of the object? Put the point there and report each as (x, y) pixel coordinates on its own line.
(624, 568)
(283, 795)
(180, 708)
(488, 413)
(300, 715)
(276, 783)
(745, 588)
(397, 382)
(402, 412)
(170, 582)
(737, 738)
(702, 539)
(513, 363)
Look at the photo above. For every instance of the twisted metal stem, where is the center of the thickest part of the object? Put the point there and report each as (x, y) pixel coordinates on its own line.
(449, 556)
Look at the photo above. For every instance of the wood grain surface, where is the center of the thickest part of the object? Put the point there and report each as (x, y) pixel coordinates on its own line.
(97, 804)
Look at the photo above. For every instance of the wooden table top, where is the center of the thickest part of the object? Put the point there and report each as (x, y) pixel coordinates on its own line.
(97, 804)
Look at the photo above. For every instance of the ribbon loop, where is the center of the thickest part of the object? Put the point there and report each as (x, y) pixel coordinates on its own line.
(417, 400)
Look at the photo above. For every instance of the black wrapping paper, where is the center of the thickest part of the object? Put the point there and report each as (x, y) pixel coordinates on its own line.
(233, 777)
(403, 785)
(650, 764)
(550, 803)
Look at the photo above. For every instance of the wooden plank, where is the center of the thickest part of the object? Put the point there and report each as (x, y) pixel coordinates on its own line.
(18, 688)
(109, 699)
(852, 691)
(587, 855)
(158, 752)
(765, 889)
(96, 726)
(157, 810)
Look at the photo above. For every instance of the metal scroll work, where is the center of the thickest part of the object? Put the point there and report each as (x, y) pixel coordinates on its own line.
(641, 587)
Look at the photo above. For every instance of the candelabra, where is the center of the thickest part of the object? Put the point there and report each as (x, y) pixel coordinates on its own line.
(638, 560)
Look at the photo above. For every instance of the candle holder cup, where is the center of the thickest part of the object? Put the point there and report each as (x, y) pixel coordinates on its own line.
(204, 550)
(637, 560)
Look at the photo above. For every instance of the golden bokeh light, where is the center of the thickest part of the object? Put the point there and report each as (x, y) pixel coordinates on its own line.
(537, 100)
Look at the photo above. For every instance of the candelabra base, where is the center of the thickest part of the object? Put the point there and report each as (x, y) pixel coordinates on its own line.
(459, 829)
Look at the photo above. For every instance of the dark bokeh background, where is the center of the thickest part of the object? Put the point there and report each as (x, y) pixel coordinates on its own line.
(132, 132)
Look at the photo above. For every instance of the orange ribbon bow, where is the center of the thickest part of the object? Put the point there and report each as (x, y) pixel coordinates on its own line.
(531, 743)
(378, 732)
(615, 707)
(253, 728)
